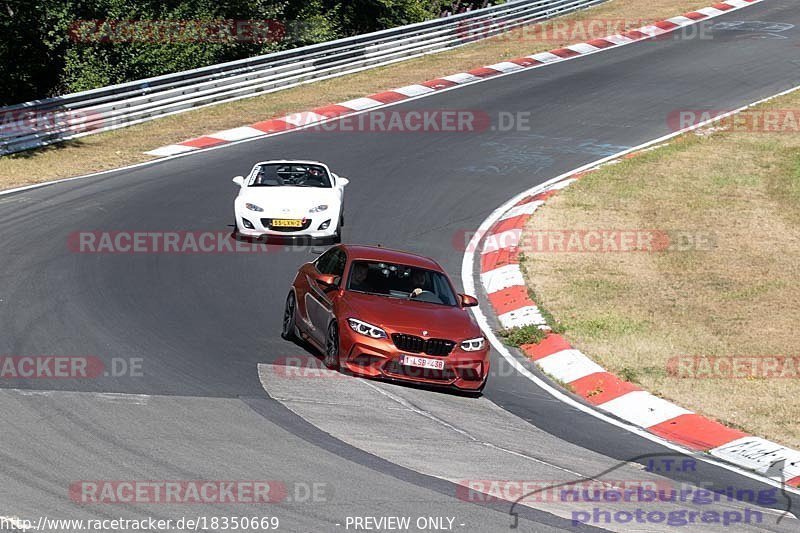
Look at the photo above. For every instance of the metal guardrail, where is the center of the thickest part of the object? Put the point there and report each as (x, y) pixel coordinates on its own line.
(42, 122)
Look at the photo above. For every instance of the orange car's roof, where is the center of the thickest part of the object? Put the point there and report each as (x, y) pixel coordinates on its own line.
(374, 253)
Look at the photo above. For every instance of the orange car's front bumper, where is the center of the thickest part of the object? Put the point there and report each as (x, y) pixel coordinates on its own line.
(381, 358)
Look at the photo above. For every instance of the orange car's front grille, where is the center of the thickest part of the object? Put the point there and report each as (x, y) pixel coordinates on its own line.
(414, 344)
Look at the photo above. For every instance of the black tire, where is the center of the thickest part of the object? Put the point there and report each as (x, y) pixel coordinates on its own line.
(332, 347)
(336, 238)
(289, 330)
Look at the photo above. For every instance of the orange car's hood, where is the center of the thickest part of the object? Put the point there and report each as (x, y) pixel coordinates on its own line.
(408, 316)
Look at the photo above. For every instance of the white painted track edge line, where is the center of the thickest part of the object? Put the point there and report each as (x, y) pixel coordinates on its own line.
(468, 281)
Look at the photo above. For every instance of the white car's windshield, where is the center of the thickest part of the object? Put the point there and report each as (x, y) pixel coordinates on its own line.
(400, 281)
(290, 175)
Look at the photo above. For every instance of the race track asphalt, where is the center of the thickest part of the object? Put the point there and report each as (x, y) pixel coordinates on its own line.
(201, 324)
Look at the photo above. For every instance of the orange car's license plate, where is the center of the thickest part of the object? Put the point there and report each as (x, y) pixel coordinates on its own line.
(422, 362)
(287, 223)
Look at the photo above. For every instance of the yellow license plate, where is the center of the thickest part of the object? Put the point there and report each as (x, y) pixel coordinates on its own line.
(287, 223)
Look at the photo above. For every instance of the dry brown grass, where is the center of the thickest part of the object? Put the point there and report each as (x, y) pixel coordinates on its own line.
(114, 149)
(632, 312)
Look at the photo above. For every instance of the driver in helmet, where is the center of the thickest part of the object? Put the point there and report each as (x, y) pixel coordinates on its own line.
(358, 277)
(314, 176)
(419, 282)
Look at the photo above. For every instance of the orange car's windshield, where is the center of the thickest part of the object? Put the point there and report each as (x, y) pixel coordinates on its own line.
(400, 281)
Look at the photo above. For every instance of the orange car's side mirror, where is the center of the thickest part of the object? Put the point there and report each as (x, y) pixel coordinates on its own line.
(327, 280)
(468, 301)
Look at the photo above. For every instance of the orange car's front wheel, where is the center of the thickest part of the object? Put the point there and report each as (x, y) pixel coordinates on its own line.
(332, 347)
(289, 330)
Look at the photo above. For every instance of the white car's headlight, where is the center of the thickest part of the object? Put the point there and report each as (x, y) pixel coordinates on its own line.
(473, 345)
(254, 207)
(318, 209)
(366, 329)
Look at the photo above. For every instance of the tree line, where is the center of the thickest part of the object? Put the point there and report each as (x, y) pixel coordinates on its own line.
(52, 47)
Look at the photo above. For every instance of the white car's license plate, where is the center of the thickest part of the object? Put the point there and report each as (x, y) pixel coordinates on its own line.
(422, 362)
(287, 223)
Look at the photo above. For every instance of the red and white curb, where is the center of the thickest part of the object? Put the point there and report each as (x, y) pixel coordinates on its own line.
(359, 105)
(507, 291)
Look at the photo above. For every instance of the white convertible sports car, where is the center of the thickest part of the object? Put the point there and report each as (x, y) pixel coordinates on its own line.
(290, 199)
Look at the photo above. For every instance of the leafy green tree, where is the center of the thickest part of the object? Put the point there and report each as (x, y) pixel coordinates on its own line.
(164, 37)
(363, 16)
(32, 44)
(50, 47)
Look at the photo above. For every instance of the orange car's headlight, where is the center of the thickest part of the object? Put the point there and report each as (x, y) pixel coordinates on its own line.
(365, 328)
(473, 345)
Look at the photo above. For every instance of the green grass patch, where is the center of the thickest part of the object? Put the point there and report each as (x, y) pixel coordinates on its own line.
(522, 335)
